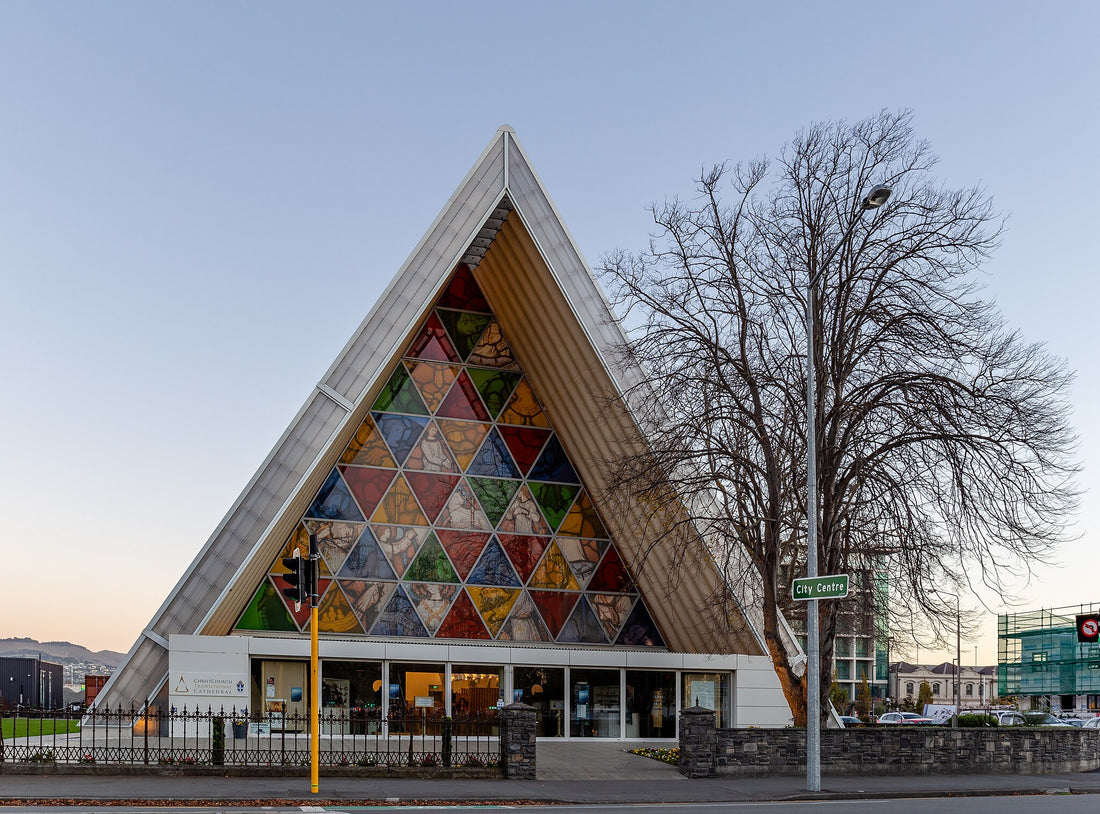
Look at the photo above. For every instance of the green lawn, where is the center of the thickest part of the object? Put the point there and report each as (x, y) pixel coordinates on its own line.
(21, 727)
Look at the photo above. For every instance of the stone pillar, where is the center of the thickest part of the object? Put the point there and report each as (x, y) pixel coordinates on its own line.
(698, 745)
(517, 741)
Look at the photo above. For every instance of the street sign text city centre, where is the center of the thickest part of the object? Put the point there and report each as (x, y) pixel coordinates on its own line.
(834, 587)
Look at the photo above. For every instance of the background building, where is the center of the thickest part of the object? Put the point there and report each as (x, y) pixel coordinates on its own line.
(1040, 659)
(977, 685)
(31, 682)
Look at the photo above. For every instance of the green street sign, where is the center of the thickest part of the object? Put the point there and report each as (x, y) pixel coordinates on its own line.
(834, 587)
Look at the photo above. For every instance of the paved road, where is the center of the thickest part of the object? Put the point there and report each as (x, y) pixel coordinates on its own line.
(597, 773)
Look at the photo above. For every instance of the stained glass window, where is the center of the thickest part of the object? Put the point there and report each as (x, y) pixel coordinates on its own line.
(455, 511)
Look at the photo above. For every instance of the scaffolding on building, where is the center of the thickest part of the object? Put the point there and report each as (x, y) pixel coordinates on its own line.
(1038, 653)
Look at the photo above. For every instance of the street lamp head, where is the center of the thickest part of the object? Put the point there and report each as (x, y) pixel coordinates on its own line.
(876, 197)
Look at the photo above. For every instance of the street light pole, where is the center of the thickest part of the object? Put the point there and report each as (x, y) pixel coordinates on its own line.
(875, 198)
(957, 692)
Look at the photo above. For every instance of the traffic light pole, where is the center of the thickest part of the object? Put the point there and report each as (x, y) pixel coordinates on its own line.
(314, 689)
(314, 683)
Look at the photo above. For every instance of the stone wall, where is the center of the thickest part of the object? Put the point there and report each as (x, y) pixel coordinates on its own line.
(908, 750)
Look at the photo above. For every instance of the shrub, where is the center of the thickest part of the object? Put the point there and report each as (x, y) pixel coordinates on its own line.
(972, 719)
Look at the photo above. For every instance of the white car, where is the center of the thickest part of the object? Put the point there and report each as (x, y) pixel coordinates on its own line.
(1092, 723)
(1011, 718)
(903, 718)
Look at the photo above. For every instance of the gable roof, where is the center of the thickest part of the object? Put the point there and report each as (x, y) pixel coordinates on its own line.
(501, 223)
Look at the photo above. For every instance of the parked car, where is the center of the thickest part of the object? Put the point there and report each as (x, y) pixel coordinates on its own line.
(1014, 718)
(1092, 723)
(1043, 719)
(1077, 722)
(903, 718)
(850, 720)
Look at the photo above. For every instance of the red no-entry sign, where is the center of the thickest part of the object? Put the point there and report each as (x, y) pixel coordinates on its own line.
(1088, 628)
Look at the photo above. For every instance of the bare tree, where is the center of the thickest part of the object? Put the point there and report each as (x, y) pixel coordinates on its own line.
(944, 454)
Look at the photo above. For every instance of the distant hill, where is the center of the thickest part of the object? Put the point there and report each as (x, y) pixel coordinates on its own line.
(59, 652)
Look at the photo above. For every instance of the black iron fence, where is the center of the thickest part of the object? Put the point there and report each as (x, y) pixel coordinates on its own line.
(195, 737)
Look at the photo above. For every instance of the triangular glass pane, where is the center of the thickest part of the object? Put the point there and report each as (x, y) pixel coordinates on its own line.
(525, 624)
(368, 448)
(493, 604)
(399, 507)
(367, 598)
(463, 622)
(433, 380)
(524, 409)
(432, 343)
(368, 485)
(524, 443)
(431, 564)
(494, 460)
(582, 627)
(399, 395)
(554, 572)
(334, 501)
(399, 618)
(523, 516)
(524, 551)
(335, 540)
(366, 561)
(432, 453)
(463, 511)
(582, 520)
(553, 464)
(493, 568)
(400, 544)
(463, 292)
(554, 499)
(611, 610)
(554, 607)
(401, 432)
(639, 630)
(464, 438)
(298, 541)
(463, 401)
(464, 328)
(335, 614)
(492, 350)
(583, 556)
(463, 547)
(432, 602)
(611, 576)
(495, 386)
(494, 495)
(266, 611)
(432, 490)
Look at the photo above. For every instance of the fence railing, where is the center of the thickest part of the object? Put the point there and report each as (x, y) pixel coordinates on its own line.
(195, 737)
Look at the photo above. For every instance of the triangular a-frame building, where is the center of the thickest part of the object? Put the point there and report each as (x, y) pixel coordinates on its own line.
(451, 464)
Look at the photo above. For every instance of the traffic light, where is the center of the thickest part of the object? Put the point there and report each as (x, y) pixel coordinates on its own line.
(299, 579)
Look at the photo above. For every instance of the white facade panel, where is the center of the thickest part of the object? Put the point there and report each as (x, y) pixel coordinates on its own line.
(401, 651)
(530, 656)
(665, 661)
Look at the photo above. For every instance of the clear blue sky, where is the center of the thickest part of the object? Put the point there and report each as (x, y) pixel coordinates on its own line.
(200, 201)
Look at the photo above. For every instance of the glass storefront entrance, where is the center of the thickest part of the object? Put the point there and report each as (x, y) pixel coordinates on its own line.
(710, 691)
(650, 704)
(416, 697)
(351, 697)
(575, 702)
(544, 689)
(594, 703)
